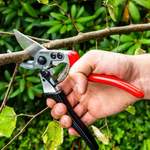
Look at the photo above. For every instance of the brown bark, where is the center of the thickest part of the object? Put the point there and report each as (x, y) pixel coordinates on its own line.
(16, 57)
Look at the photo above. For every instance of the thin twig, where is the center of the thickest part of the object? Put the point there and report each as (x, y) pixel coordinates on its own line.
(24, 115)
(108, 130)
(20, 132)
(32, 37)
(96, 44)
(9, 87)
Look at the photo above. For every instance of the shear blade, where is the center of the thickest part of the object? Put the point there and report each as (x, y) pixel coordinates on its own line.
(26, 42)
(28, 65)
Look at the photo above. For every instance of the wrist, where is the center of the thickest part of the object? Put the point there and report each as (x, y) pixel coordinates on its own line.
(141, 73)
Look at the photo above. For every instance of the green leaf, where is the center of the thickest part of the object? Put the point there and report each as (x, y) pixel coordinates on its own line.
(17, 25)
(58, 16)
(112, 12)
(146, 145)
(63, 29)
(81, 53)
(85, 19)
(144, 3)
(131, 110)
(7, 11)
(73, 10)
(126, 38)
(30, 93)
(3, 85)
(68, 21)
(80, 12)
(29, 19)
(33, 79)
(53, 136)
(58, 70)
(115, 37)
(99, 11)
(80, 26)
(131, 50)
(50, 23)
(15, 93)
(29, 27)
(22, 85)
(43, 1)
(145, 41)
(64, 5)
(20, 13)
(119, 134)
(123, 47)
(134, 11)
(69, 27)
(7, 75)
(9, 17)
(54, 29)
(45, 9)
(29, 9)
(7, 121)
(37, 90)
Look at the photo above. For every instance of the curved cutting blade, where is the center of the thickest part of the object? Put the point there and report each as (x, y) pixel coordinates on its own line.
(27, 43)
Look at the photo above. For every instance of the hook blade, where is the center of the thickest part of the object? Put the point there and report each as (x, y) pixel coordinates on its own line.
(27, 43)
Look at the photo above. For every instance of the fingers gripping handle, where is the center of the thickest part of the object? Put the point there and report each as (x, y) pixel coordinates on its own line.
(114, 81)
(108, 79)
(77, 124)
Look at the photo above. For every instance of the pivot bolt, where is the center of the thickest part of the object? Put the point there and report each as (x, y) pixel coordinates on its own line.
(42, 60)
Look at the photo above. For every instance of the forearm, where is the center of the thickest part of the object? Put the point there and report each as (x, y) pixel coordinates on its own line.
(141, 72)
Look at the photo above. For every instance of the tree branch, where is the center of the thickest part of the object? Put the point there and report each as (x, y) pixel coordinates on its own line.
(16, 57)
(82, 37)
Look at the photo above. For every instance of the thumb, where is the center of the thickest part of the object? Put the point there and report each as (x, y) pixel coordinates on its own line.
(80, 81)
(81, 69)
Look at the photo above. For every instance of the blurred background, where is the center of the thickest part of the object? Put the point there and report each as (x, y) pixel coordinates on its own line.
(128, 130)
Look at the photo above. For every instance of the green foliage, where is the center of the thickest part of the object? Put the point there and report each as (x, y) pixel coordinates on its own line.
(132, 43)
(119, 9)
(144, 3)
(53, 136)
(26, 86)
(131, 110)
(7, 121)
(128, 130)
(134, 12)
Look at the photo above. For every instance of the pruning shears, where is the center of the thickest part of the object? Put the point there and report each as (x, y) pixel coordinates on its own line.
(53, 66)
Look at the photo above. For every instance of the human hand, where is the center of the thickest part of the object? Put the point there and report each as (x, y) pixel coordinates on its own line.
(92, 101)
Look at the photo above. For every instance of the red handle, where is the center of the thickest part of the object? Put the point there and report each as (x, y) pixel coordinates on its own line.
(108, 79)
(114, 81)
